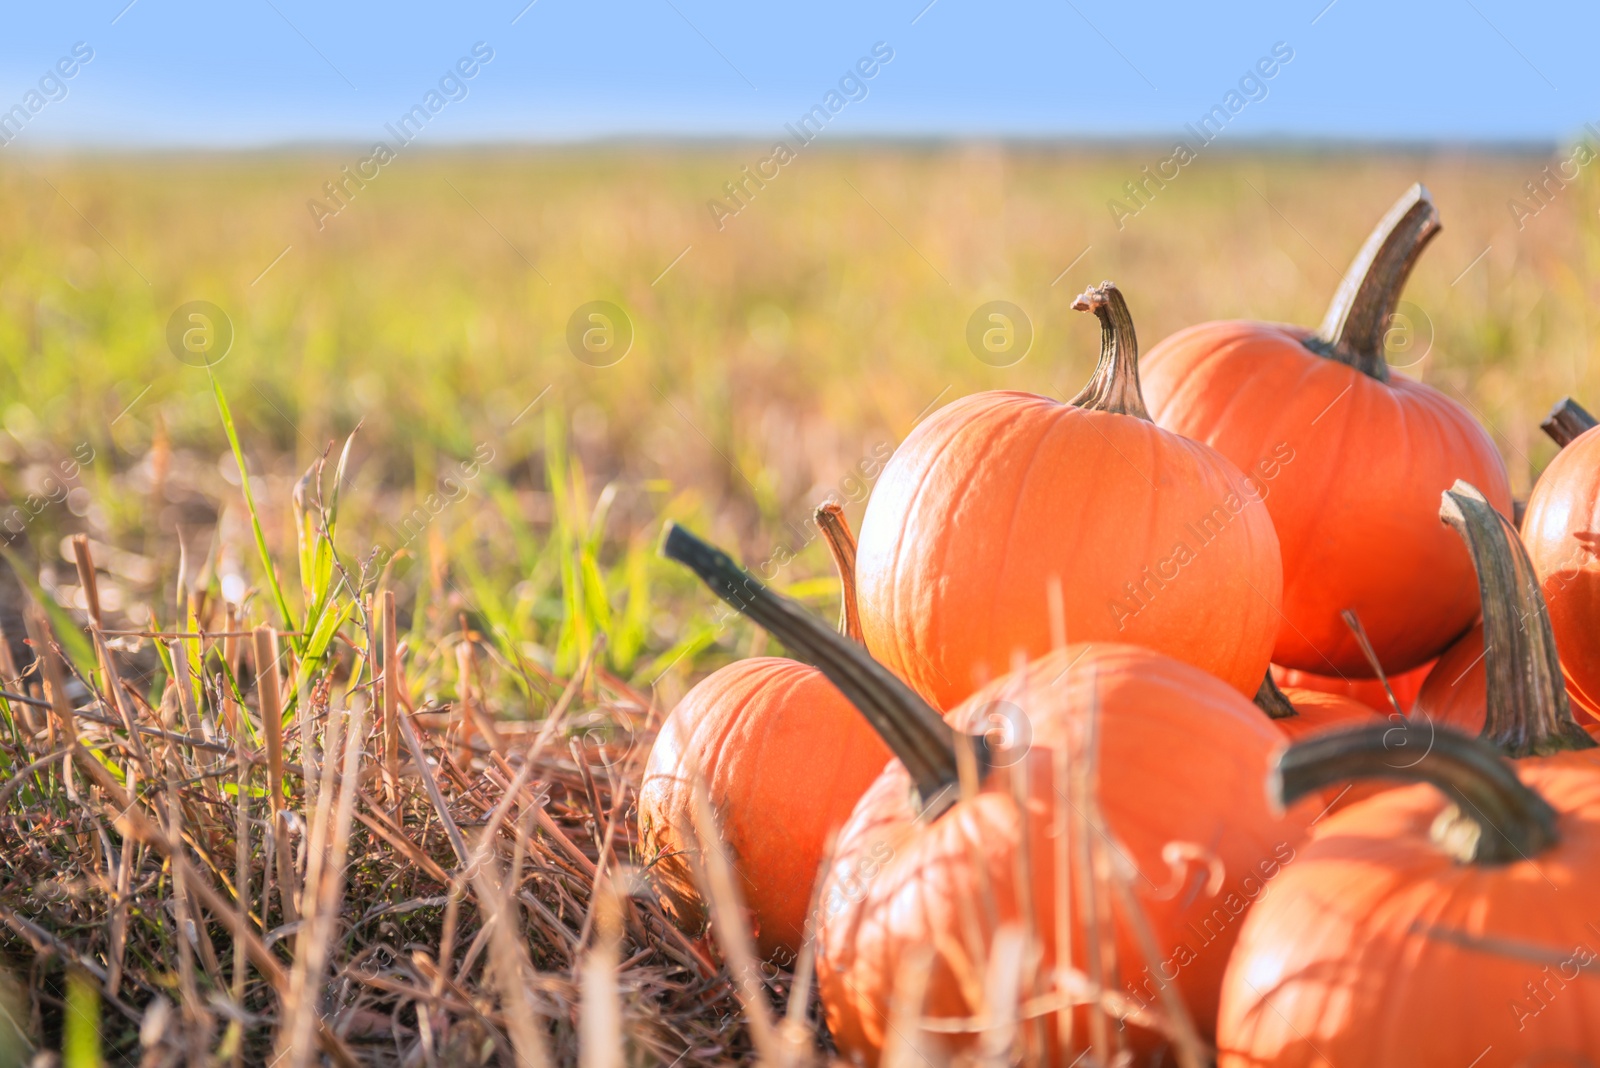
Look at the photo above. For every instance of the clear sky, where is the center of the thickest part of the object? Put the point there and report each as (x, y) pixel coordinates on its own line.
(232, 73)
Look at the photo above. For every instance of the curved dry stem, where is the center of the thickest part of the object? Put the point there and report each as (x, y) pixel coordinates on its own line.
(912, 730)
(1353, 621)
(1528, 713)
(1496, 818)
(1357, 319)
(842, 545)
(1115, 385)
(1566, 421)
(1273, 701)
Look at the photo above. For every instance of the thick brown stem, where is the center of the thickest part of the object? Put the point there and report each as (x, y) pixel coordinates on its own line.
(1357, 320)
(1496, 819)
(1115, 385)
(1528, 713)
(914, 732)
(1566, 421)
(842, 545)
(1273, 701)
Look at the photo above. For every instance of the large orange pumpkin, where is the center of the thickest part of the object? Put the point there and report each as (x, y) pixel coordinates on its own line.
(1561, 529)
(784, 756)
(1512, 692)
(1348, 457)
(1171, 763)
(1419, 930)
(1154, 540)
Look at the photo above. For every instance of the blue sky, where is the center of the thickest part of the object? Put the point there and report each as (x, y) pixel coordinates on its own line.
(264, 72)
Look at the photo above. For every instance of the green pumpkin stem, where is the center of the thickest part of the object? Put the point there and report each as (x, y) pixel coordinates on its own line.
(914, 732)
(1495, 817)
(1115, 385)
(842, 547)
(1566, 421)
(1273, 701)
(1358, 318)
(1528, 713)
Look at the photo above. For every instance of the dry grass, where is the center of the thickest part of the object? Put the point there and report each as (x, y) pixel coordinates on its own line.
(462, 929)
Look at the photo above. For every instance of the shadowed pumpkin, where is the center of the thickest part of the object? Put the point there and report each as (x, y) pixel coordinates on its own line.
(961, 863)
(1415, 929)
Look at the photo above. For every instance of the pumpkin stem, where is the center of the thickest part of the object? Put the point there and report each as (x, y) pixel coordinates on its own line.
(1496, 818)
(1528, 713)
(1273, 701)
(1115, 385)
(1353, 621)
(842, 545)
(1566, 421)
(914, 732)
(1358, 318)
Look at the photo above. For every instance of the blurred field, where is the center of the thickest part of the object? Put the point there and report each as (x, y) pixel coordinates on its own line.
(771, 360)
(767, 362)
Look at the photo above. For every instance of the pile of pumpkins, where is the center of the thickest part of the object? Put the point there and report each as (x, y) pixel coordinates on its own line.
(1221, 712)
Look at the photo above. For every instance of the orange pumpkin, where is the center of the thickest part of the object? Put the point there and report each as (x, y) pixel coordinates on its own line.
(1419, 930)
(1299, 712)
(1347, 458)
(1154, 539)
(1561, 529)
(925, 863)
(1513, 693)
(1369, 692)
(784, 756)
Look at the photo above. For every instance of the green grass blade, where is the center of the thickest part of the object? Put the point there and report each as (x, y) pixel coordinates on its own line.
(250, 503)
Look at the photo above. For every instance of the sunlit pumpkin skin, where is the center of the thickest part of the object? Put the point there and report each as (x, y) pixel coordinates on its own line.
(1369, 692)
(1350, 462)
(1561, 529)
(784, 757)
(1377, 948)
(1154, 540)
(896, 885)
